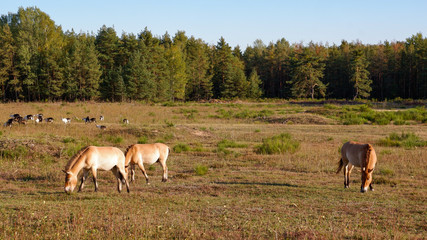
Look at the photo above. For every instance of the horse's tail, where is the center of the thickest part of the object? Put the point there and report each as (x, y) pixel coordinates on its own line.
(340, 165)
(74, 158)
(128, 158)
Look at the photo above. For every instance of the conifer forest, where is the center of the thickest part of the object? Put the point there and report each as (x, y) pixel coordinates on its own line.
(39, 61)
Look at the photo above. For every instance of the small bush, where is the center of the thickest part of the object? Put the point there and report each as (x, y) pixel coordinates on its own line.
(181, 147)
(406, 140)
(68, 140)
(201, 170)
(169, 124)
(142, 140)
(114, 139)
(278, 145)
(230, 144)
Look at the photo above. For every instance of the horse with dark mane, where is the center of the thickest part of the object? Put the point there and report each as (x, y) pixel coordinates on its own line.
(138, 154)
(359, 155)
(93, 158)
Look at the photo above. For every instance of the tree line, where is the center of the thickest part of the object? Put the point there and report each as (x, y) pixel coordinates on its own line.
(41, 62)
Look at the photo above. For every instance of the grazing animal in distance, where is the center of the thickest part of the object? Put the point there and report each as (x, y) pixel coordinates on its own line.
(138, 154)
(49, 120)
(29, 117)
(39, 118)
(125, 121)
(93, 158)
(21, 120)
(66, 120)
(359, 155)
(89, 120)
(15, 116)
(101, 118)
(102, 127)
(8, 123)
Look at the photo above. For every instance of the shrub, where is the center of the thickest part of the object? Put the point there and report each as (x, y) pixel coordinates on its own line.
(169, 124)
(142, 140)
(225, 143)
(406, 140)
(181, 147)
(68, 140)
(114, 139)
(278, 145)
(201, 170)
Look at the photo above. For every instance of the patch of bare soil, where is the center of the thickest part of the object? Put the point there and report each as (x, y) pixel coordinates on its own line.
(301, 118)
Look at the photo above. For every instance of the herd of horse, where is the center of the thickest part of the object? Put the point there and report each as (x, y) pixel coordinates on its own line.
(91, 158)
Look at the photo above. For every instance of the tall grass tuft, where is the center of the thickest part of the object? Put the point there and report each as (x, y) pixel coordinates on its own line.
(181, 147)
(200, 170)
(278, 145)
(406, 140)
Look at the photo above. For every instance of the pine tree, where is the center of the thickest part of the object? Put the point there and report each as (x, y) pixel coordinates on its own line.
(177, 72)
(254, 91)
(7, 52)
(199, 85)
(138, 79)
(359, 75)
(307, 70)
(222, 61)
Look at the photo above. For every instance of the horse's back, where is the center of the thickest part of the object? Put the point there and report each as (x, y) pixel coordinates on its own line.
(150, 153)
(354, 152)
(105, 158)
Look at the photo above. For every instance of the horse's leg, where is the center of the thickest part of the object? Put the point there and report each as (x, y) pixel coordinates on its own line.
(350, 167)
(345, 176)
(165, 170)
(94, 179)
(85, 174)
(370, 187)
(119, 181)
(123, 178)
(132, 172)
(141, 166)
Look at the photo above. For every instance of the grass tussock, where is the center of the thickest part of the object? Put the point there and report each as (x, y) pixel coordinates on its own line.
(407, 140)
(283, 143)
(201, 170)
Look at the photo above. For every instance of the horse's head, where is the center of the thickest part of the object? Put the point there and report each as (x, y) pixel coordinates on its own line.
(366, 179)
(70, 182)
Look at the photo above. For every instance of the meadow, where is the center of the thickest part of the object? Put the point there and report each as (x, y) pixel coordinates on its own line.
(224, 183)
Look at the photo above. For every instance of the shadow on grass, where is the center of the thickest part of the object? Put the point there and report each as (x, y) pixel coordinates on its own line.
(257, 183)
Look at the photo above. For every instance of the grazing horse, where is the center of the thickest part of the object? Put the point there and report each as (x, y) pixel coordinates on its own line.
(359, 155)
(95, 158)
(138, 154)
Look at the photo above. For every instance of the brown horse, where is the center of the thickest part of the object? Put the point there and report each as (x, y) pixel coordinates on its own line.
(138, 154)
(95, 158)
(359, 155)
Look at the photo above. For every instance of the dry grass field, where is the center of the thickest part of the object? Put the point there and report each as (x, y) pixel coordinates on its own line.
(219, 187)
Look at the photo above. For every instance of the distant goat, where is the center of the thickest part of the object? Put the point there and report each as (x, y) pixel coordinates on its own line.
(66, 120)
(125, 121)
(8, 123)
(102, 127)
(49, 120)
(101, 118)
(29, 117)
(89, 120)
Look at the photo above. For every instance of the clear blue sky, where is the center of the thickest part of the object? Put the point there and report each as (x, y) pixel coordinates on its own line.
(241, 22)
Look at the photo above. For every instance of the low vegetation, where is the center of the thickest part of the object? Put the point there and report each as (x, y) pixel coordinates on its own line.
(229, 178)
(279, 144)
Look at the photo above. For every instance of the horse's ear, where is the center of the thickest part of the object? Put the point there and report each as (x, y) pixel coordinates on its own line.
(64, 171)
